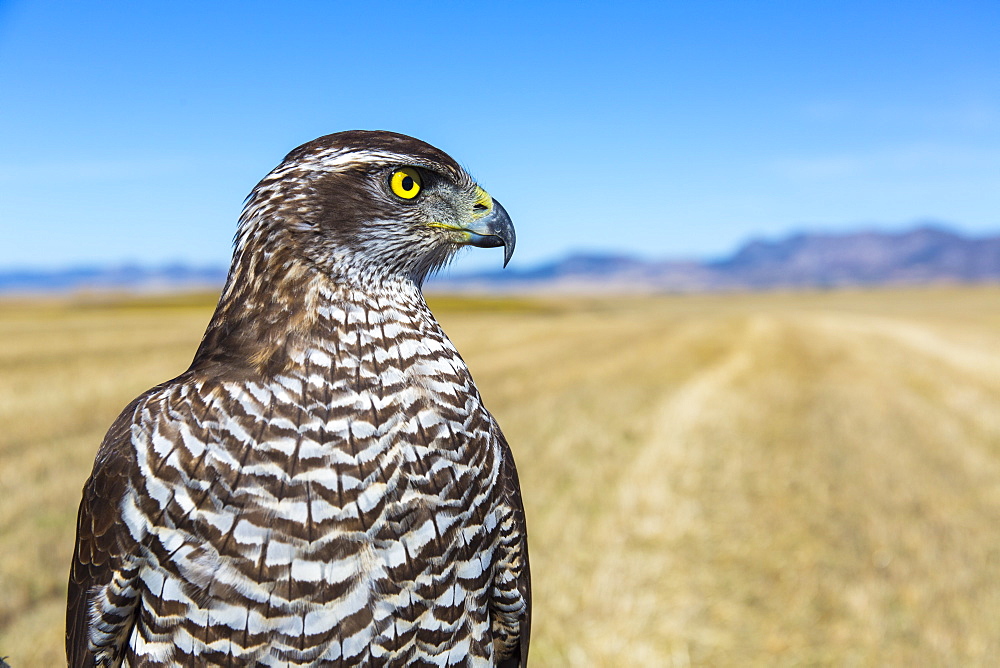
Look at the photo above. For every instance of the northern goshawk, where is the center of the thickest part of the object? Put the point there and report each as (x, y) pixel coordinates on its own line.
(323, 485)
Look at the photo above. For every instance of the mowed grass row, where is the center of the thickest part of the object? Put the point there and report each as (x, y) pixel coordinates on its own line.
(779, 479)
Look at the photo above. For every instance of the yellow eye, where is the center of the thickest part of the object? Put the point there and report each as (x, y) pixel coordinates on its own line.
(405, 182)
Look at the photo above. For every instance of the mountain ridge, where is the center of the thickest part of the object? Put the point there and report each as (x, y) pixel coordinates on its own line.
(924, 254)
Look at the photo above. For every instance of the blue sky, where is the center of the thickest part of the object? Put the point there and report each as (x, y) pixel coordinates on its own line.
(133, 131)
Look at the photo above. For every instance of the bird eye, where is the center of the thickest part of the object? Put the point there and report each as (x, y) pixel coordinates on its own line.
(405, 182)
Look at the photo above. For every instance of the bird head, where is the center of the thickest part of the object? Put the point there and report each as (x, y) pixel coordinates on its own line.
(370, 206)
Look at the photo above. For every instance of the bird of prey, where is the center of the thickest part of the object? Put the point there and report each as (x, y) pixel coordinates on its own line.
(323, 485)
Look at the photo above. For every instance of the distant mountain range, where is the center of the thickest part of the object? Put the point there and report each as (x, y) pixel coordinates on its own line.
(924, 255)
(112, 279)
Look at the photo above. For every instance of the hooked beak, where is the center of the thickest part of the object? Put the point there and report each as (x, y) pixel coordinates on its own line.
(492, 229)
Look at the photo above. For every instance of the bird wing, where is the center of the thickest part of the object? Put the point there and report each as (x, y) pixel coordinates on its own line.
(104, 567)
(510, 606)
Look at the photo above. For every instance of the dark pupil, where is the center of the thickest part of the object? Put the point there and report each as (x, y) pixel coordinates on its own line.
(407, 183)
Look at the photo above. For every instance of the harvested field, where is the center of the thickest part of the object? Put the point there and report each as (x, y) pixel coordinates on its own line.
(727, 480)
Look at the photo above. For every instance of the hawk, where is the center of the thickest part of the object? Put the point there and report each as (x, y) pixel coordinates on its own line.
(323, 485)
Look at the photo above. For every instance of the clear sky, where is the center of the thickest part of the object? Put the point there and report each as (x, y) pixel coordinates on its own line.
(132, 131)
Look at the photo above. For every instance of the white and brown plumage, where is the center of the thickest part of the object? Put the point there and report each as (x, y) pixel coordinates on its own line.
(323, 485)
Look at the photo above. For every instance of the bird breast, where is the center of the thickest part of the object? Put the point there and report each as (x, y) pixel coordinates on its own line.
(355, 490)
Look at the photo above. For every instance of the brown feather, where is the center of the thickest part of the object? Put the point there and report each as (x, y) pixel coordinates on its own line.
(323, 484)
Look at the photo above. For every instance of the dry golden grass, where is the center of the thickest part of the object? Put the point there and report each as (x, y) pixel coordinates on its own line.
(784, 479)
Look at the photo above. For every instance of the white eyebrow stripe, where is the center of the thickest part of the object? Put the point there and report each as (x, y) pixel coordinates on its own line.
(341, 158)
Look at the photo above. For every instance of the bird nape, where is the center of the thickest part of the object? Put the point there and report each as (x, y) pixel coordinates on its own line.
(323, 484)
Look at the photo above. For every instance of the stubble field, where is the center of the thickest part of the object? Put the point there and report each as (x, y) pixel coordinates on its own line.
(777, 479)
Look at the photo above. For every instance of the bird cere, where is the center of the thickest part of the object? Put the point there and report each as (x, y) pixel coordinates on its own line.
(323, 485)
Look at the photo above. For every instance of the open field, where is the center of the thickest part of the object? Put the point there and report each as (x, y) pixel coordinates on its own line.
(776, 479)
